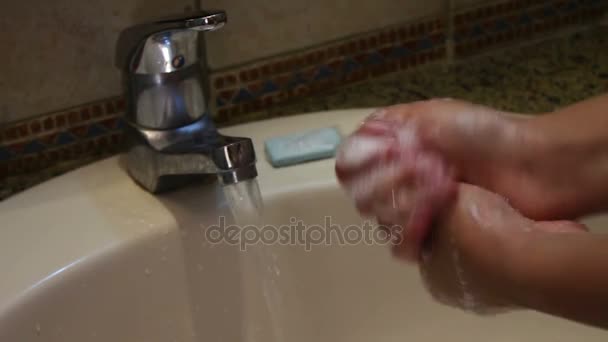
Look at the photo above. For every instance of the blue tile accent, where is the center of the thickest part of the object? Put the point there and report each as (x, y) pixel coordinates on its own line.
(476, 31)
(322, 73)
(64, 138)
(374, 58)
(501, 25)
(5, 154)
(349, 66)
(571, 6)
(525, 19)
(219, 102)
(33, 146)
(549, 11)
(425, 44)
(242, 96)
(95, 130)
(296, 80)
(399, 52)
(120, 124)
(269, 87)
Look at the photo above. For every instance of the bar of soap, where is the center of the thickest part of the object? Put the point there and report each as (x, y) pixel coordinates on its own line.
(302, 147)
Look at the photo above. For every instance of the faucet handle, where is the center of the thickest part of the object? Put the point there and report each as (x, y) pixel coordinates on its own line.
(133, 40)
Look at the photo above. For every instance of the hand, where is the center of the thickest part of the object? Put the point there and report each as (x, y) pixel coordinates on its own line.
(500, 152)
(468, 260)
(392, 178)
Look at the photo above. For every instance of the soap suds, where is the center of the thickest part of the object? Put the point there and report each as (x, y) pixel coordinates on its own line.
(358, 150)
(362, 188)
(468, 301)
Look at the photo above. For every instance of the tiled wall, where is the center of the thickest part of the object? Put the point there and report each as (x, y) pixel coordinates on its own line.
(59, 53)
(261, 84)
(96, 128)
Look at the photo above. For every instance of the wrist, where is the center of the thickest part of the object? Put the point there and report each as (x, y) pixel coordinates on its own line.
(517, 270)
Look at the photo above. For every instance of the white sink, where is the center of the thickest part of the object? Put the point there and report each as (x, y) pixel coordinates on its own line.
(89, 256)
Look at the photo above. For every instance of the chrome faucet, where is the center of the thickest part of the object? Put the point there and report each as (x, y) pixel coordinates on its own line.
(172, 137)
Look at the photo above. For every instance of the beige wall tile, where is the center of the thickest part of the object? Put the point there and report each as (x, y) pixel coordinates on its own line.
(260, 28)
(471, 3)
(59, 53)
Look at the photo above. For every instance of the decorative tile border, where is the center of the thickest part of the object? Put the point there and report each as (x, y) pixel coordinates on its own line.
(495, 25)
(96, 129)
(35, 144)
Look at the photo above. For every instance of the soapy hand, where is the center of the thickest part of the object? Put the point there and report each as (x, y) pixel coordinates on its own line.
(390, 176)
(497, 151)
(467, 262)
(403, 163)
(478, 246)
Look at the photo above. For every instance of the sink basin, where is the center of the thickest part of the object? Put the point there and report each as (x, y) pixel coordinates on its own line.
(89, 256)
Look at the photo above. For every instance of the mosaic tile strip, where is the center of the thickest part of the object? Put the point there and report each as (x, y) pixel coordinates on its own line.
(41, 142)
(490, 26)
(99, 146)
(278, 80)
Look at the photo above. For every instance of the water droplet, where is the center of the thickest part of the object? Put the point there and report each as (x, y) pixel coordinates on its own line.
(147, 271)
(163, 258)
(38, 329)
(200, 267)
(164, 248)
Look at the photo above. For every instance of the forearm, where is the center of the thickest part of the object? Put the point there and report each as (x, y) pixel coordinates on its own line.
(564, 275)
(574, 154)
(584, 122)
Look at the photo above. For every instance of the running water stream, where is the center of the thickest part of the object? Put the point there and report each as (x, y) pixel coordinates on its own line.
(259, 262)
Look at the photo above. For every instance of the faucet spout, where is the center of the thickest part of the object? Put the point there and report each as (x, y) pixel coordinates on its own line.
(164, 160)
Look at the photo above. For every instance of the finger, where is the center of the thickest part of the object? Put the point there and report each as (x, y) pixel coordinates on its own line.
(365, 209)
(561, 227)
(363, 187)
(394, 195)
(376, 127)
(358, 153)
(397, 205)
(384, 185)
(384, 226)
(392, 230)
(400, 112)
(427, 208)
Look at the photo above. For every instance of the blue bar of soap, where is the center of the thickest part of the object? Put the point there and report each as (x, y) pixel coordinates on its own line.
(302, 147)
